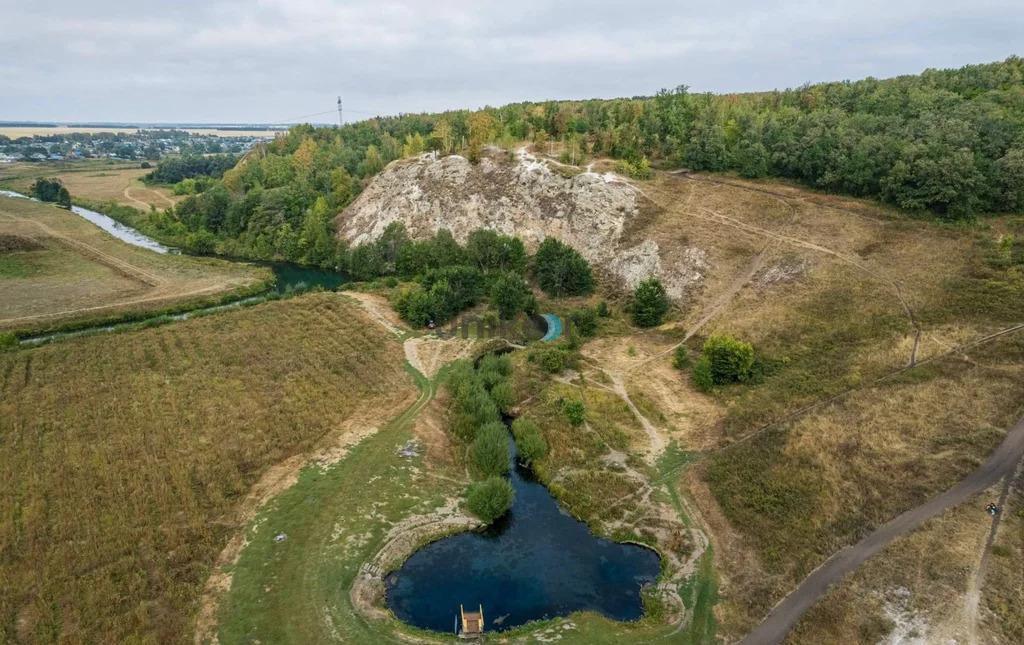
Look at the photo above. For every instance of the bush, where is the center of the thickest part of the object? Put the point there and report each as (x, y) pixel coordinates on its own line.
(555, 359)
(574, 411)
(680, 360)
(584, 321)
(499, 363)
(504, 396)
(602, 309)
(530, 443)
(489, 451)
(490, 499)
(561, 270)
(650, 303)
(637, 170)
(730, 360)
(8, 340)
(702, 379)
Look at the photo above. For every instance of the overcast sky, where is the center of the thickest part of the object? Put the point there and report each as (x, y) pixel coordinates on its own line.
(275, 60)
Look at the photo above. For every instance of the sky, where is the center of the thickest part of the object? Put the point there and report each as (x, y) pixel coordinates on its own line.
(266, 61)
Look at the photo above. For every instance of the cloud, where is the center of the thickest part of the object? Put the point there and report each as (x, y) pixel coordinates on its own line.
(269, 60)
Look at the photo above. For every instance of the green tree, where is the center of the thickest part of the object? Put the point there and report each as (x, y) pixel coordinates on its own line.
(316, 240)
(64, 198)
(650, 303)
(490, 251)
(509, 293)
(561, 270)
(489, 451)
(490, 499)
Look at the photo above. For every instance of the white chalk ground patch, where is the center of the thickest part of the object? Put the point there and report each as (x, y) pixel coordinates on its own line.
(910, 628)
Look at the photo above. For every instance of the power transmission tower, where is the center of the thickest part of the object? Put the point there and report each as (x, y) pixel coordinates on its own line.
(341, 120)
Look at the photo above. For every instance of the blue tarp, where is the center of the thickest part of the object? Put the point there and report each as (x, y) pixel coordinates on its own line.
(554, 327)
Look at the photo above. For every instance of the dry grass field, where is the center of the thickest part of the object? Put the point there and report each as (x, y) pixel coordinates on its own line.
(56, 267)
(834, 293)
(96, 181)
(126, 456)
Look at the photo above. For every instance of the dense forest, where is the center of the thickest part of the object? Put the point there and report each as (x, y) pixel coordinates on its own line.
(949, 142)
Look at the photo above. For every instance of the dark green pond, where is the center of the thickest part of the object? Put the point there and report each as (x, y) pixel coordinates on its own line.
(536, 562)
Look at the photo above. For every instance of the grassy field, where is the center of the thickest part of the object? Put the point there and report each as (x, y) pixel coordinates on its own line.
(127, 457)
(93, 181)
(799, 491)
(298, 591)
(56, 267)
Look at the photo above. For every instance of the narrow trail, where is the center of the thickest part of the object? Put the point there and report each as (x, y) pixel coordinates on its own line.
(1001, 463)
(128, 195)
(973, 598)
(711, 215)
(657, 444)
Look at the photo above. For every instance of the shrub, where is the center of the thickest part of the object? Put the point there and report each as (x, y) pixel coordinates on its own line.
(701, 375)
(729, 359)
(680, 360)
(489, 451)
(584, 321)
(555, 359)
(504, 396)
(8, 340)
(499, 363)
(650, 303)
(463, 425)
(637, 170)
(574, 411)
(602, 309)
(530, 443)
(490, 499)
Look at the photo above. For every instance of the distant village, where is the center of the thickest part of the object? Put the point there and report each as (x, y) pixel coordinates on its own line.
(147, 145)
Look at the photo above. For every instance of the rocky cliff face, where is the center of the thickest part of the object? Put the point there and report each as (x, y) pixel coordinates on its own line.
(602, 216)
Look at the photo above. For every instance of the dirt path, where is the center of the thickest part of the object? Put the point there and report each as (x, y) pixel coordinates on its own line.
(146, 205)
(779, 238)
(128, 195)
(973, 598)
(657, 444)
(1001, 463)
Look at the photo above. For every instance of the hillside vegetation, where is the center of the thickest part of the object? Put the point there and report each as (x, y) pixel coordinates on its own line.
(126, 456)
(949, 142)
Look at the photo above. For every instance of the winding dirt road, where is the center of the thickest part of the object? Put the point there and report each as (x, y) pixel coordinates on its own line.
(785, 615)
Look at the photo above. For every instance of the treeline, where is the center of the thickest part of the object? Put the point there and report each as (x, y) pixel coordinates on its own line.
(443, 277)
(947, 141)
(176, 169)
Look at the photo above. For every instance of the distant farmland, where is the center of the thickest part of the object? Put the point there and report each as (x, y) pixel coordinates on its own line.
(15, 132)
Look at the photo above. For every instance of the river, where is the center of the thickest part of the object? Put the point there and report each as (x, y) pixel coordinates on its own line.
(287, 276)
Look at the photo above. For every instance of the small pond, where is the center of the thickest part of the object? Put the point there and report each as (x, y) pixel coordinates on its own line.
(536, 562)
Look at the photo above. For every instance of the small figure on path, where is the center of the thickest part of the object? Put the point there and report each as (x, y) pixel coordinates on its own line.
(992, 509)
